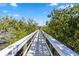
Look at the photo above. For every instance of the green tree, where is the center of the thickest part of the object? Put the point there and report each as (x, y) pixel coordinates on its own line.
(64, 26)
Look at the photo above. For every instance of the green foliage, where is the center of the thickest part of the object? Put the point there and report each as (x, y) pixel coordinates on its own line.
(17, 27)
(64, 26)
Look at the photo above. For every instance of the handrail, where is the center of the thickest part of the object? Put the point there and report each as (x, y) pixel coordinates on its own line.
(25, 52)
(59, 47)
(11, 50)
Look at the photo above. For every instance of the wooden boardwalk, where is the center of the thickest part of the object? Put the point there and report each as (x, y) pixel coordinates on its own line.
(39, 46)
(35, 44)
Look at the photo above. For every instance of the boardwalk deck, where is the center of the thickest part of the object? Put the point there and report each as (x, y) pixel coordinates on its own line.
(39, 47)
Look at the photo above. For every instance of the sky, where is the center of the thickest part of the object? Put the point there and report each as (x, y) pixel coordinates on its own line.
(36, 11)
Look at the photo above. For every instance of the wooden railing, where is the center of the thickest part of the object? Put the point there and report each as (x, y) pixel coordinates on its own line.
(55, 46)
(58, 48)
(14, 48)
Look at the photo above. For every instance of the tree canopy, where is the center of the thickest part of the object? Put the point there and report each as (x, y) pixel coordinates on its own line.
(17, 27)
(64, 26)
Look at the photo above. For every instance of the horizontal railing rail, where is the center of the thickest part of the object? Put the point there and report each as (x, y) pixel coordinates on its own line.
(27, 49)
(61, 49)
(11, 50)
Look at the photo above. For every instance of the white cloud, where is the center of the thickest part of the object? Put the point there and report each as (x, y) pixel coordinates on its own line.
(14, 4)
(71, 5)
(53, 4)
(16, 15)
(65, 6)
(44, 12)
(62, 7)
(5, 11)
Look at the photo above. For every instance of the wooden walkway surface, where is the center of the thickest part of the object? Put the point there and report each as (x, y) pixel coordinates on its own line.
(39, 46)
